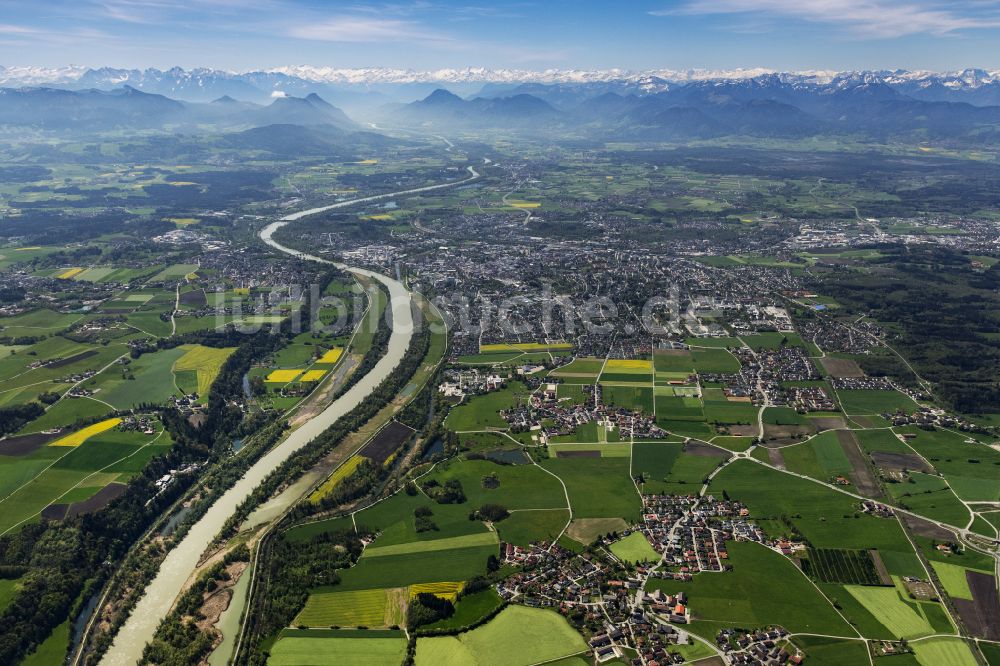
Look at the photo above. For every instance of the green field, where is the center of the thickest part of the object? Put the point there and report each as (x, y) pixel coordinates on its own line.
(953, 579)
(597, 487)
(970, 468)
(636, 398)
(55, 474)
(206, 362)
(540, 636)
(525, 527)
(901, 617)
(52, 650)
(725, 412)
(517, 486)
(943, 652)
(483, 411)
(359, 648)
(449, 543)
(654, 459)
(469, 609)
(433, 566)
(868, 401)
(771, 340)
(580, 366)
(823, 651)
(353, 608)
(714, 343)
(674, 361)
(394, 518)
(152, 380)
(763, 588)
(715, 361)
(36, 322)
(173, 272)
(822, 457)
(678, 408)
(827, 518)
(634, 548)
(8, 588)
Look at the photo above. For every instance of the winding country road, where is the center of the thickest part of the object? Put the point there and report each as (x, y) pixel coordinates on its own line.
(183, 559)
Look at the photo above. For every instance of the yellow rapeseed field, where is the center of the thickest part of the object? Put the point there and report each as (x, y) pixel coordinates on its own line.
(332, 356)
(206, 361)
(312, 376)
(629, 364)
(69, 273)
(334, 479)
(282, 376)
(446, 590)
(81, 436)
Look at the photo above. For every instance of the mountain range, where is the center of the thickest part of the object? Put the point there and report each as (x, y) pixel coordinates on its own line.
(92, 109)
(764, 106)
(370, 87)
(964, 106)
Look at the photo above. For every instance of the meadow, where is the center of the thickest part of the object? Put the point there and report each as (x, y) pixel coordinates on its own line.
(512, 486)
(354, 608)
(541, 636)
(597, 487)
(901, 617)
(316, 647)
(828, 519)
(483, 411)
(522, 528)
(205, 362)
(634, 548)
(763, 588)
(71, 469)
(407, 568)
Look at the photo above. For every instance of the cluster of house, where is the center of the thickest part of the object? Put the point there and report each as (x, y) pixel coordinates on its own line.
(769, 368)
(376, 254)
(167, 479)
(868, 383)
(877, 509)
(554, 576)
(831, 336)
(143, 423)
(754, 317)
(547, 416)
(597, 594)
(809, 399)
(460, 382)
(920, 416)
(76, 378)
(926, 417)
(189, 406)
(890, 648)
(646, 635)
(762, 647)
(691, 532)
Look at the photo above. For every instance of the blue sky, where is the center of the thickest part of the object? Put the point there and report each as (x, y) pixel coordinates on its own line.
(675, 34)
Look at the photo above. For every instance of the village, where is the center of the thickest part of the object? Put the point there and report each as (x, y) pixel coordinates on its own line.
(613, 603)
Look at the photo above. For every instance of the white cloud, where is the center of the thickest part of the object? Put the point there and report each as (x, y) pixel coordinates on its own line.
(278, 94)
(8, 29)
(867, 18)
(364, 29)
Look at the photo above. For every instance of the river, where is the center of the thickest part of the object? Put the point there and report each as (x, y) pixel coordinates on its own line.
(182, 560)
